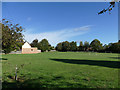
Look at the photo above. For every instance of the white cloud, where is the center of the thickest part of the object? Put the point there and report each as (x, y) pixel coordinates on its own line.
(84, 28)
(55, 37)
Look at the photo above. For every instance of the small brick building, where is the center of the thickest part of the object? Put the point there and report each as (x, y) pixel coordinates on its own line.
(27, 49)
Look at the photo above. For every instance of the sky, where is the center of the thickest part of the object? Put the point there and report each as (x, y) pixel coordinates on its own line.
(59, 0)
(63, 21)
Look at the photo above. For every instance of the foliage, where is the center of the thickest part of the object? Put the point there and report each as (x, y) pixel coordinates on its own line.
(81, 46)
(52, 47)
(96, 45)
(112, 5)
(86, 46)
(44, 45)
(34, 43)
(73, 46)
(65, 46)
(115, 48)
(12, 37)
(59, 47)
(81, 43)
(105, 46)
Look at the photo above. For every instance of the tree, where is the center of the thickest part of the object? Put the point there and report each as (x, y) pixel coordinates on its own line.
(110, 44)
(73, 46)
(111, 6)
(52, 48)
(65, 46)
(34, 43)
(115, 47)
(96, 45)
(86, 45)
(81, 46)
(44, 45)
(59, 47)
(12, 37)
(105, 46)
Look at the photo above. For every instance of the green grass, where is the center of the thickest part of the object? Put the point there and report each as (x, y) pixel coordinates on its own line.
(61, 70)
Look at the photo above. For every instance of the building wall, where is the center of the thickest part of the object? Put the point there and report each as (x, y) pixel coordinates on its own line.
(30, 50)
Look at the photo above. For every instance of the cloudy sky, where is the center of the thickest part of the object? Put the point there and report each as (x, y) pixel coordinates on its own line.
(63, 21)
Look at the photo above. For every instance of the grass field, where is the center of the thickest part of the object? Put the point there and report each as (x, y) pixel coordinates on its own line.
(61, 69)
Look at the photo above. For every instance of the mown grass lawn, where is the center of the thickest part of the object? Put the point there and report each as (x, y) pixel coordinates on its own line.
(61, 70)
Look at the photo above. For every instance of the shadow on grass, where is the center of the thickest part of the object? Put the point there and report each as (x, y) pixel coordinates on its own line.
(39, 83)
(3, 59)
(115, 57)
(110, 64)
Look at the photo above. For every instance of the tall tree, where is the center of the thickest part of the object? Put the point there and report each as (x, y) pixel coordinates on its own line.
(44, 45)
(12, 37)
(73, 46)
(59, 47)
(86, 45)
(34, 43)
(81, 46)
(105, 46)
(114, 47)
(96, 45)
(65, 46)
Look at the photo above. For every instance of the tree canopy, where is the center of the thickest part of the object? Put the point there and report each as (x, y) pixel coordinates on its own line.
(34, 43)
(73, 46)
(12, 37)
(44, 45)
(96, 45)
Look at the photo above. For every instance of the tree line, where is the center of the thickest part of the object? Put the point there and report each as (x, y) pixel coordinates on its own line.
(42, 45)
(13, 39)
(95, 46)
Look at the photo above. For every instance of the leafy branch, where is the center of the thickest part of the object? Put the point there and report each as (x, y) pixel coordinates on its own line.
(111, 6)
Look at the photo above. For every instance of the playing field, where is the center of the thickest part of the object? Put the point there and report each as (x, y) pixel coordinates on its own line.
(61, 69)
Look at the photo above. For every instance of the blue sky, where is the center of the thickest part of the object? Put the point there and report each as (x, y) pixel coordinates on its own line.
(61, 21)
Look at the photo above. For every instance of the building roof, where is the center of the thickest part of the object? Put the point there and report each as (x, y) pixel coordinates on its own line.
(26, 45)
